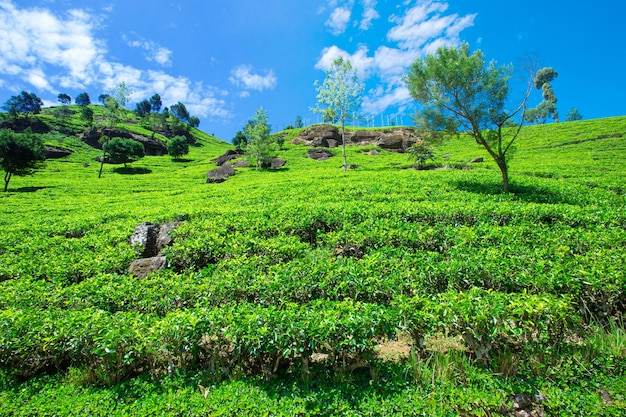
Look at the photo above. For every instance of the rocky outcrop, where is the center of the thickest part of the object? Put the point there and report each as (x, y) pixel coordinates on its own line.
(53, 152)
(152, 146)
(319, 154)
(277, 163)
(227, 156)
(221, 174)
(151, 238)
(328, 136)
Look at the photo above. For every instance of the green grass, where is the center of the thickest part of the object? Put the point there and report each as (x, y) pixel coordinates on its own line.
(273, 270)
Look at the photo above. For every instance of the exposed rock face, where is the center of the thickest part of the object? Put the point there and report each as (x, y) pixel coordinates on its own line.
(153, 147)
(476, 160)
(328, 136)
(140, 268)
(54, 153)
(145, 236)
(241, 164)
(220, 174)
(319, 154)
(277, 163)
(228, 155)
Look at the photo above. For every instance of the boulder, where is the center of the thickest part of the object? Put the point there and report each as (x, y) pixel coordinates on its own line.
(476, 160)
(221, 174)
(228, 155)
(55, 153)
(364, 137)
(277, 163)
(373, 152)
(319, 154)
(318, 135)
(446, 156)
(145, 236)
(164, 237)
(140, 268)
(241, 164)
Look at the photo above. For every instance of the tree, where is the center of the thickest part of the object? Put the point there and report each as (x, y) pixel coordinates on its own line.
(460, 91)
(340, 94)
(23, 103)
(143, 109)
(86, 113)
(82, 99)
(156, 103)
(20, 154)
(124, 151)
(179, 111)
(113, 112)
(240, 140)
(298, 123)
(177, 147)
(543, 78)
(102, 98)
(421, 152)
(261, 147)
(64, 99)
(194, 121)
(573, 115)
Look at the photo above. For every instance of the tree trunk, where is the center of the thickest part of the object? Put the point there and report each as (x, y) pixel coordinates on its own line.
(343, 144)
(505, 175)
(7, 178)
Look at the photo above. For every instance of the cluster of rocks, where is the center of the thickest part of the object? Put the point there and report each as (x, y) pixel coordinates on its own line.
(151, 238)
(524, 405)
(329, 136)
(225, 168)
(153, 147)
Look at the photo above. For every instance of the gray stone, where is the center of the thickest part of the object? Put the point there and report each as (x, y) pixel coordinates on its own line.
(145, 236)
(140, 268)
(164, 238)
(319, 154)
(475, 160)
(241, 164)
(277, 163)
(220, 174)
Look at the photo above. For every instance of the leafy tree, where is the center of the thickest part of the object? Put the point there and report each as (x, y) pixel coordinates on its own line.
(26, 103)
(83, 99)
(102, 98)
(177, 147)
(113, 112)
(460, 91)
(86, 113)
(156, 103)
(179, 111)
(340, 95)
(421, 152)
(573, 115)
(298, 123)
(143, 109)
(124, 151)
(261, 147)
(194, 121)
(20, 154)
(240, 140)
(542, 81)
(64, 99)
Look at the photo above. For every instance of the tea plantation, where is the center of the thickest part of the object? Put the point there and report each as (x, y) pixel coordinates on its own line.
(308, 291)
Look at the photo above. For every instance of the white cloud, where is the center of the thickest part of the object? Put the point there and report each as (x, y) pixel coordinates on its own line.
(51, 51)
(154, 52)
(242, 76)
(420, 29)
(338, 20)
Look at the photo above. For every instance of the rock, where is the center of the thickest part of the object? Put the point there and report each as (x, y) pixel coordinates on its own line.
(153, 147)
(475, 160)
(392, 142)
(351, 166)
(221, 174)
(241, 164)
(140, 268)
(55, 153)
(332, 143)
(228, 155)
(318, 135)
(164, 237)
(373, 152)
(447, 155)
(319, 154)
(145, 236)
(364, 137)
(277, 163)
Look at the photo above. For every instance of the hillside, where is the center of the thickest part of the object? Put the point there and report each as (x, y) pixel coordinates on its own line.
(305, 290)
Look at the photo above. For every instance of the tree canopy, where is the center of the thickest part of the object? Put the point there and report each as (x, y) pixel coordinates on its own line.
(20, 153)
(547, 108)
(24, 103)
(82, 99)
(261, 147)
(460, 91)
(64, 99)
(124, 151)
(177, 147)
(340, 96)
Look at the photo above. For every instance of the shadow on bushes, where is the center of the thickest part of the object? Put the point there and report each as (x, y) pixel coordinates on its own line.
(525, 193)
(132, 171)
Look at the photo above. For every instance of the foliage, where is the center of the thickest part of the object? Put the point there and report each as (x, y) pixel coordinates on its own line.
(339, 96)
(83, 99)
(64, 99)
(20, 154)
(573, 115)
(124, 151)
(155, 103)
(421, 152)
(261, 147)
(26, 103)
(240, 140)
(178, 146)
(459, 91)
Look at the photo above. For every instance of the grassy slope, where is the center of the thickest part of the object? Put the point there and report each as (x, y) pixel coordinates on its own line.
(567, 171)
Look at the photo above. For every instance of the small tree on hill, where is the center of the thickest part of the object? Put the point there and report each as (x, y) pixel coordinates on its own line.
(459, 91)
(113, 112)
(543, 80)
(261, 147)
(64, 99)
(240, 140)
(573, 115)
(124, 151)
(24, 103)
(340, 96)
(82, 99)
(177, 147)
(20, 154)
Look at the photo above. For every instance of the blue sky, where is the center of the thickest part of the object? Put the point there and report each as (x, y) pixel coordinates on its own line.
(225, 59)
